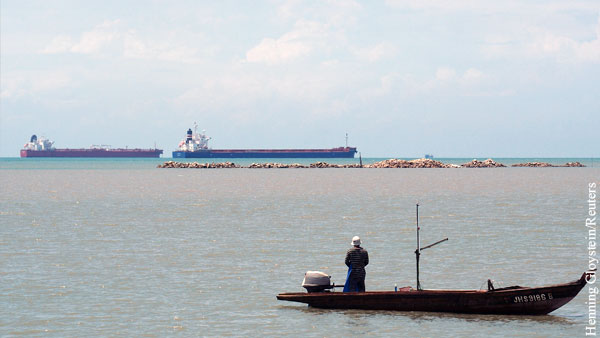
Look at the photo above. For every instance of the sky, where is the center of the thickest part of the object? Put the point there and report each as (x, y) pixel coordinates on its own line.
(403, 78)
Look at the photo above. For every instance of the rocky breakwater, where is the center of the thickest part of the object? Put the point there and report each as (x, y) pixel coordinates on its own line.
(489, 163)
(418, 163)
(391, 163)
(534, 165)
(545, 165)
(275, 165)
(329, 165)
(196, 165)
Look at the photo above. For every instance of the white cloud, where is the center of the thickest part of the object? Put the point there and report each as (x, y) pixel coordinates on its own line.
(537, 43)
(219, 91)
(137, 48)
(318, 29)
(90, 42)
(101, 36)
(306, 36)
(60, 44)
(445, 74)
(523, 29)
(386, 84)
(472, 75)
(506, 6)
(565, 48)
(565, 40)
(110, 37)
(432, 4)
(248, 87)
(445, 81)
(273, 51)
(377, 52)
(19, 84)
(332, 12)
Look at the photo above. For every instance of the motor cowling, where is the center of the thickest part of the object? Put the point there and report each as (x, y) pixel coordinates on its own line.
(317, 281)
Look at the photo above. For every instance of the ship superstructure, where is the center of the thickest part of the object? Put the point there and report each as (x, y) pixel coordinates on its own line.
(38, 144)
(194, 141)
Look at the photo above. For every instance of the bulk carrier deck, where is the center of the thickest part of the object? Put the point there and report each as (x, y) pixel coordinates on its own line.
(43, 147)
(195, 145)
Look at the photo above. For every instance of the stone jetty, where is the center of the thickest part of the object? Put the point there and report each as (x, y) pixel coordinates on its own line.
(489, 163)
(545, 164)
(418, 163)
(275, 165)
(196, 165)
(329, 165)
(391, 163)
(534, 165)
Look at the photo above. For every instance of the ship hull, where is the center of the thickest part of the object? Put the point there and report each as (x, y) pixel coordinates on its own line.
(93, 153)
(511, 301)
(266, 153)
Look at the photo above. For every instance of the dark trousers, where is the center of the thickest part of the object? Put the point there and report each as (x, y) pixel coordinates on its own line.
(357, 285)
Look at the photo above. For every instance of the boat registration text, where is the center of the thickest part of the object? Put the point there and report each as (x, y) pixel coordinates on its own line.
(533, 298)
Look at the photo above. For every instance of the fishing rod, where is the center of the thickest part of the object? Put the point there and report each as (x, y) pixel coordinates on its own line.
(418, 251)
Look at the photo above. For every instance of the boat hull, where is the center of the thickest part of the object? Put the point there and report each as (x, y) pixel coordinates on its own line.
(268, 153)
(92, 153)
(513, 301)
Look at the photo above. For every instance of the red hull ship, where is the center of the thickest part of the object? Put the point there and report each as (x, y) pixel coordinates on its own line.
(44, 148)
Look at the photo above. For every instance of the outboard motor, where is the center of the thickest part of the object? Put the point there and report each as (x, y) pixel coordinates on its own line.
(317, 281)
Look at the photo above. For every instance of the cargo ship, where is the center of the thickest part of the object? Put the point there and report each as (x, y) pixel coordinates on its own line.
(42, 147)
(195, 145)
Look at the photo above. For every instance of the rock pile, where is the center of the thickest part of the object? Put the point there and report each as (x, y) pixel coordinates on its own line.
(391, 163)
(269, 165)
(275, 165)
(489, 163)
(329, 165)
(534, 164)
(196, 165)
(545, 164)
(418, 163)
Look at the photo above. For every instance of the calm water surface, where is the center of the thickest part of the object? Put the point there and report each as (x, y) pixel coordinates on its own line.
(132, 250)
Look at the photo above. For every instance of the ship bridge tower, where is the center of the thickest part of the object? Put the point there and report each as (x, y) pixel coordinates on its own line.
(188, 138)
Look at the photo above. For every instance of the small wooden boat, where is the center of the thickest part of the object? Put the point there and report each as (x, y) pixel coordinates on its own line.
(514, 300)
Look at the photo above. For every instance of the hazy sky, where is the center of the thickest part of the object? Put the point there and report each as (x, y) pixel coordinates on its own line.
(403, 77)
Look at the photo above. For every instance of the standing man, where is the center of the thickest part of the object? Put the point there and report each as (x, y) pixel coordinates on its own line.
(356, 260)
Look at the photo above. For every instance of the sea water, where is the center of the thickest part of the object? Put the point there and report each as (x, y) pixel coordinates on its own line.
(119, 247)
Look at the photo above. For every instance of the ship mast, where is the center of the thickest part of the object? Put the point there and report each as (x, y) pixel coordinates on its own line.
(346, 140)
(419, 249)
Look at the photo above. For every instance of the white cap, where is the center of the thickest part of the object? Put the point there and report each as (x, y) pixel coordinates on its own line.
(355, 240)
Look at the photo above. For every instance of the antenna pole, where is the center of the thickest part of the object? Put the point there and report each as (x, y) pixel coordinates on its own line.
(418, 251)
